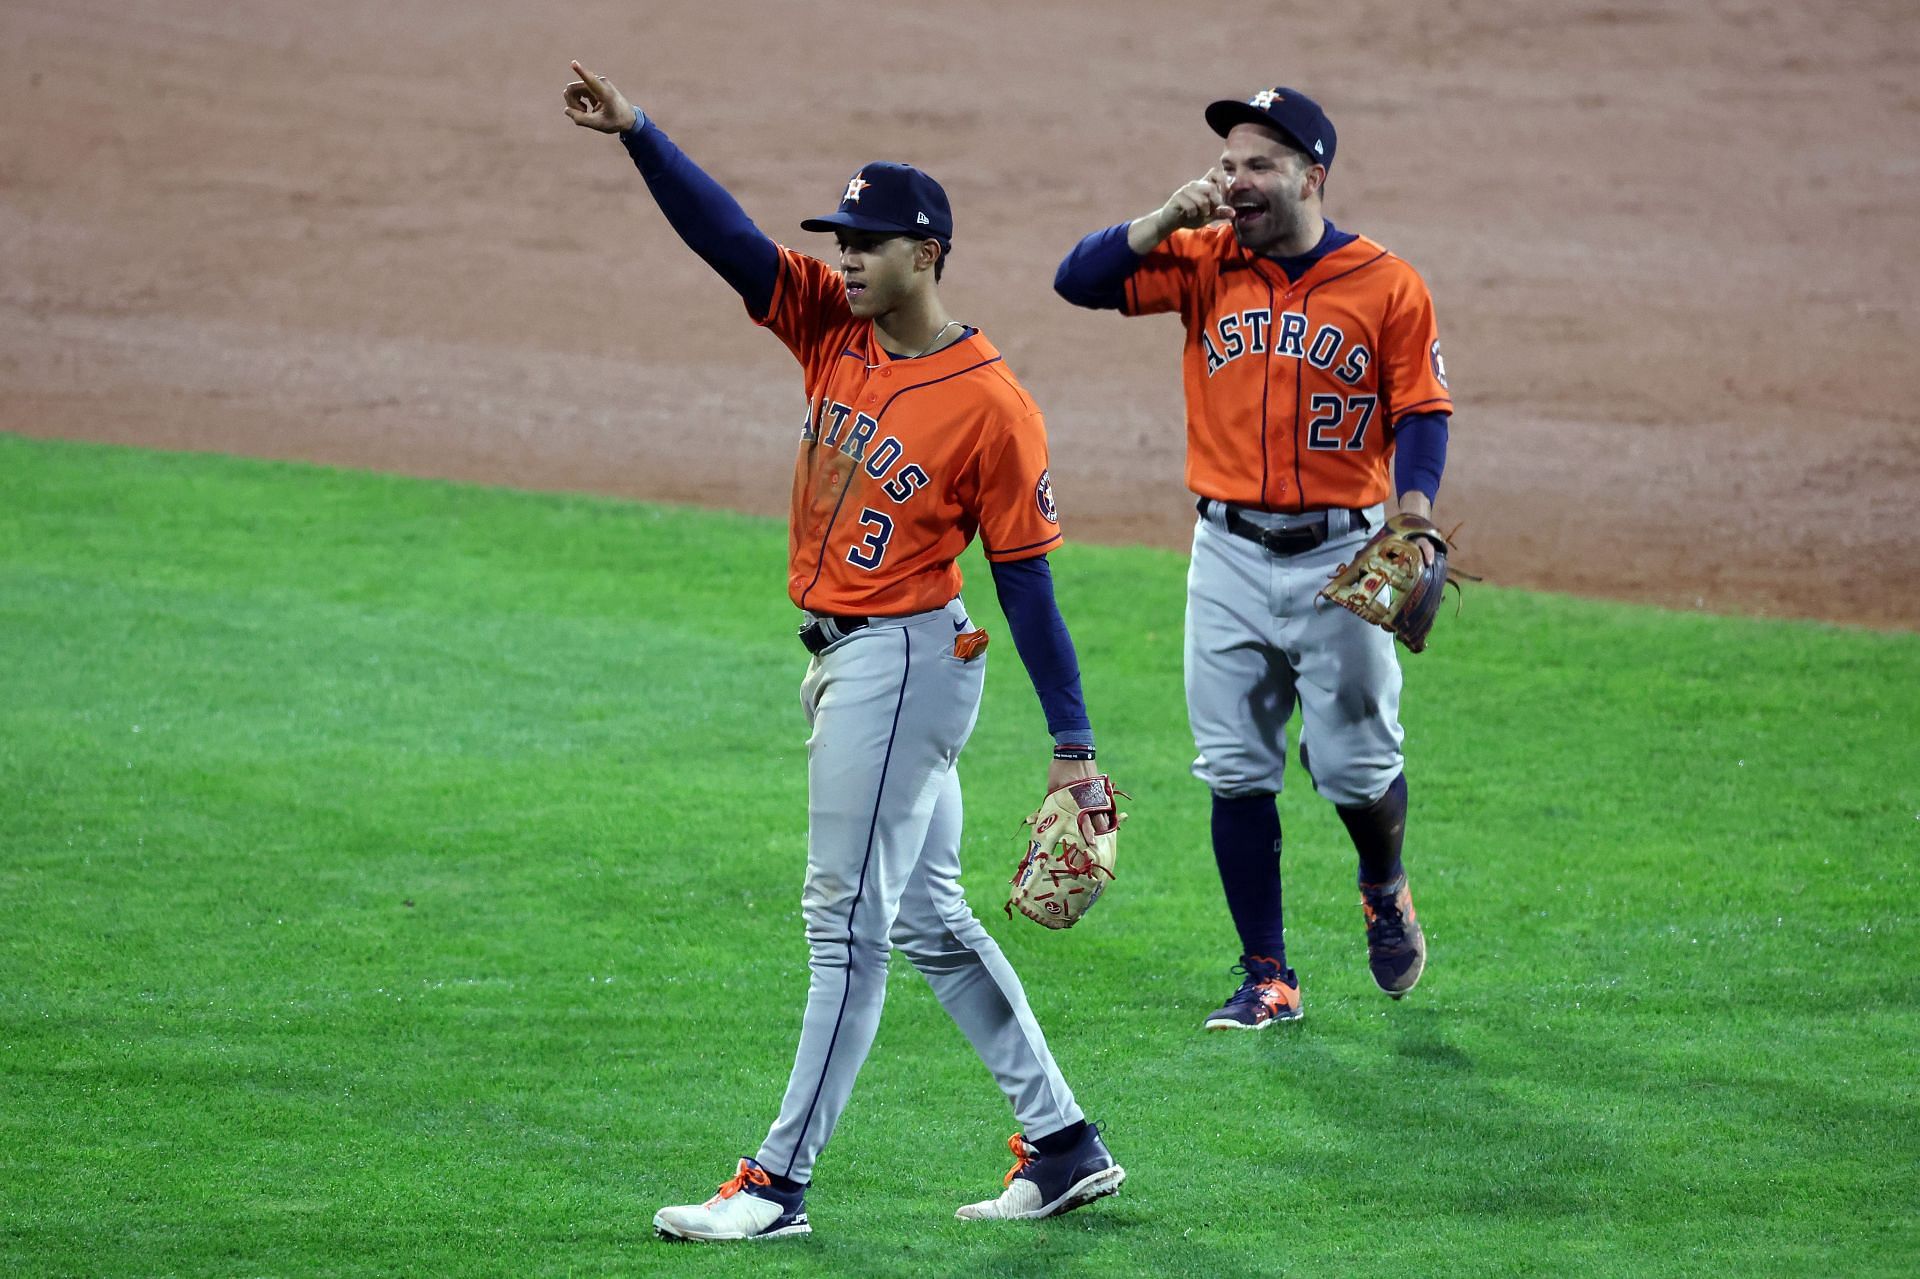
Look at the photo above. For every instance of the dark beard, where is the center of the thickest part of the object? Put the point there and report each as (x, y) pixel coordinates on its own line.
(1283, 232)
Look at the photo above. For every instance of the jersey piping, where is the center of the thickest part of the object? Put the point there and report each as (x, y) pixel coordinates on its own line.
(1300, 383)
(826, 534)
(1266, 385)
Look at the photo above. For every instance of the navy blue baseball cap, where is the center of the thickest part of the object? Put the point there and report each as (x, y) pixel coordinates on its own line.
(893, 198)
(1298, 119)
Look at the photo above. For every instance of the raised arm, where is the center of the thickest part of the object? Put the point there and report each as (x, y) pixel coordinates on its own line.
(699, 209)
(1095, 274)
(1195, 204)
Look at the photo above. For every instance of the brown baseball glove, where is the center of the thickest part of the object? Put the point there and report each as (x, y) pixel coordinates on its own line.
(1390, 584)
(1069, 862)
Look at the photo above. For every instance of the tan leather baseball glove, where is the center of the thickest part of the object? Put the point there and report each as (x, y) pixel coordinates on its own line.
(1069, 860)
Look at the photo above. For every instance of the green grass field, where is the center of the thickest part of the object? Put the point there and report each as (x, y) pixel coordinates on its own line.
(402, 879)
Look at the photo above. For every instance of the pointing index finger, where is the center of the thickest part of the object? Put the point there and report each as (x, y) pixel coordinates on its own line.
(595, 85)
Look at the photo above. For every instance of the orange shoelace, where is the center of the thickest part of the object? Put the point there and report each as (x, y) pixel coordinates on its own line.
(1022, 1152)
(1391, 899)
(749, 1174)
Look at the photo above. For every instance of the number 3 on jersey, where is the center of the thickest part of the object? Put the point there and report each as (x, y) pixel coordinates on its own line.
(873, 547)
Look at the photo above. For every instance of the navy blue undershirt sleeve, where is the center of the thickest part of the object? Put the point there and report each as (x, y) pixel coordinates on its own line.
(709, 219)
(1419, 453)
(1095, 274)
(1025, 588)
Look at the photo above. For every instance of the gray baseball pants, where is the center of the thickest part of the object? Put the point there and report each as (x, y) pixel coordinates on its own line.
(1258, 642)
(890, 708)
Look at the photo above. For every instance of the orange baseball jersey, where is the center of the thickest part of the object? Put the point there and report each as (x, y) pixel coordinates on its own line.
(901, 461)
(1293, 387)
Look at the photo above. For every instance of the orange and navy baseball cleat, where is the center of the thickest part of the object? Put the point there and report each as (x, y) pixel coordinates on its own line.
(1396, 947)
(1047, 1185)
(1267, 995)
(747, 1206)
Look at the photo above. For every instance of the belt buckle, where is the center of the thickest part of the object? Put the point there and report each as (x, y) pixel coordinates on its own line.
(1291, 541)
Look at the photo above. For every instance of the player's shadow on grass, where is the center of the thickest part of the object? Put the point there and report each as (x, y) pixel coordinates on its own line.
(1427, 1044)
(1438, 1102)
(1540, 1121)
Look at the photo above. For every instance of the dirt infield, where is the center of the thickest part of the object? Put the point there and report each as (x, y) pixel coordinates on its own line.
(1672, 247)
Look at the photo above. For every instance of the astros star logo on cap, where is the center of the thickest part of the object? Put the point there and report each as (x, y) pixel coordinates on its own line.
(855, 185)
(1263, 99)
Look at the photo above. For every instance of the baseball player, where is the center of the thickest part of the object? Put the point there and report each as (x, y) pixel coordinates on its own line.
(916, 438)
(1315, 392)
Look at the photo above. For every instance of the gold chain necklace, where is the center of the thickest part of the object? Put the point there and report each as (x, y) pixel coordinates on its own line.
(923, 350)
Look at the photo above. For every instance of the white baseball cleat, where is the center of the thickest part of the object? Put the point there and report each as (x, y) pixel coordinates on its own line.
(747, 1207)
(1048, 1185)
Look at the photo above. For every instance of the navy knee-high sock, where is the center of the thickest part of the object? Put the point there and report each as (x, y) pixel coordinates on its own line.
(1377, 831)
(1246, 846)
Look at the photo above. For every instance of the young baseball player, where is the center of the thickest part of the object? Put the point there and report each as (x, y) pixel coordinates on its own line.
(917, 437)
(1314, 392)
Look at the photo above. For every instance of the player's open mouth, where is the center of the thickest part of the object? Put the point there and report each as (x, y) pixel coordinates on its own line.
(1243, 214)
(855, 288)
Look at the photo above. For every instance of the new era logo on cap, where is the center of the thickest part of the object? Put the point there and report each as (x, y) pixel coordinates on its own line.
(921, 219)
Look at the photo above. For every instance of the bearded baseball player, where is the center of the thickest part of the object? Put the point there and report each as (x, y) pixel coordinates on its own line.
(917, 436)
(1315, 392)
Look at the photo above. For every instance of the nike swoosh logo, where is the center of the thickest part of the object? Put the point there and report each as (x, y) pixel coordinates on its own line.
(960, 626)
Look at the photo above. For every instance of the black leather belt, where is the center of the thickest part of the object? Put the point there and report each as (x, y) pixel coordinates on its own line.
(824, 630)
(1279, 541)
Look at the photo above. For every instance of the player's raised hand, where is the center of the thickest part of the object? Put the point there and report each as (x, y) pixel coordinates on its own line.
(1196, 204)
(1199, 202)
(593, 103)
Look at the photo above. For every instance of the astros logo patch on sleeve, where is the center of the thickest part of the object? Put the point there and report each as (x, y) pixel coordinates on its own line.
(1043, 498)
